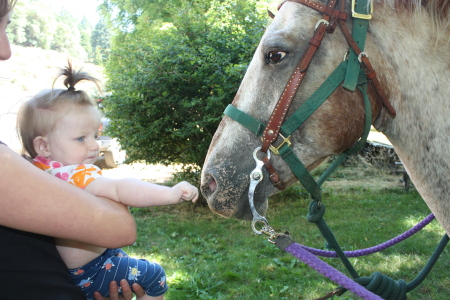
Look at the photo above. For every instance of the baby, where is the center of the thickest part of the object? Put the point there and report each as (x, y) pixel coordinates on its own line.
(58, 129)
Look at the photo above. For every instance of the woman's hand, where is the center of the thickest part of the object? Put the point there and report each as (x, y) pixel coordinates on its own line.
(127, 291)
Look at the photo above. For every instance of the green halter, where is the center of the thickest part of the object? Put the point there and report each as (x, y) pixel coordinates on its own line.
(300, 116)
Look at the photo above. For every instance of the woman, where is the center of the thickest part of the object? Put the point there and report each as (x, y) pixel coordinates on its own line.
(31, 215)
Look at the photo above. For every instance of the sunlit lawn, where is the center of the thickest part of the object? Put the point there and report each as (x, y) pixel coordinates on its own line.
(209, 257)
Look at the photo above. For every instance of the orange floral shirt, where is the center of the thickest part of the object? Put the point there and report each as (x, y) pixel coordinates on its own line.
(78, 175)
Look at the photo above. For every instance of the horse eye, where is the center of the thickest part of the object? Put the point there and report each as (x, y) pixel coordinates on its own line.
(275, 56)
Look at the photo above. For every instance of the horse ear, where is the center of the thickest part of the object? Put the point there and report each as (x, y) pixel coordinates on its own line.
(270, 14)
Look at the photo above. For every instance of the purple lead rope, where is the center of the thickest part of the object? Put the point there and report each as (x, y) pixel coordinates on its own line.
(378, 248)
(329, 272)
(306, 254)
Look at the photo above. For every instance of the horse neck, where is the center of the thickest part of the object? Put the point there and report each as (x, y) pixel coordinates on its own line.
(415, 64)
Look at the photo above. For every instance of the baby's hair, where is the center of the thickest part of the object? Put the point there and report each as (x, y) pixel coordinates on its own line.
(5, 7)
(39, 115)
(74, 76)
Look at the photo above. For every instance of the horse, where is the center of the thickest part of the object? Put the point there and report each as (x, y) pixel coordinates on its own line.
(407, 43)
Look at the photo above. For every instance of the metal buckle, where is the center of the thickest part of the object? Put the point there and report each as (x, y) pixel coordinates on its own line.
(362, 54)
(362, 16)
(320, 22)
(285, 141)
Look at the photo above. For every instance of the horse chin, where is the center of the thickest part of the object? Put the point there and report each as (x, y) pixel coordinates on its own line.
(229, 198)
(245, 213)
(227, 206)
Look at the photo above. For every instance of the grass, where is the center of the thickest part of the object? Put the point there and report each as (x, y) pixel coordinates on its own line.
(210, 257)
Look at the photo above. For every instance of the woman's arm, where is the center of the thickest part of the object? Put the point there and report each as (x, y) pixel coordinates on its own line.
(34, 201)
(138, 193)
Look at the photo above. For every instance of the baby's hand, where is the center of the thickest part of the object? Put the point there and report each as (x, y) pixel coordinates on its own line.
(188, 192)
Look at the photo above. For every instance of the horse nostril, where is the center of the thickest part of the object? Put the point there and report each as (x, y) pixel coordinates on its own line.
(209, 185)
(212, 185)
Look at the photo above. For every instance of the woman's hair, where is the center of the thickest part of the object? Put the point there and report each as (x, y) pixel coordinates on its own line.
(5, 7)
(39, 115)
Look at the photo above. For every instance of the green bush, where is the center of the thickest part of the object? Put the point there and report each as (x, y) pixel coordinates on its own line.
(169, 85)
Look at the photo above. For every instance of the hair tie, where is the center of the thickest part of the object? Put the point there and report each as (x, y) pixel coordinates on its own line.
(71, 88)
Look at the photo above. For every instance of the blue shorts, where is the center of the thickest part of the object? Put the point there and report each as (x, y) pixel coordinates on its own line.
(115, 265)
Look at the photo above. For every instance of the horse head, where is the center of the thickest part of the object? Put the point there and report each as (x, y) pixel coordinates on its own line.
(404, 42)
(334, 127)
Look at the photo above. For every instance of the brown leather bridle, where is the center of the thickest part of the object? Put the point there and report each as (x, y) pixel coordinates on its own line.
(331, 18)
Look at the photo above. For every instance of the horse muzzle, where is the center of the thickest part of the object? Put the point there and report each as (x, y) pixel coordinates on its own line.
(227, 195)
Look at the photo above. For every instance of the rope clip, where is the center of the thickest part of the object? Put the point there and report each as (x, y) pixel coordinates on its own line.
(272, 234)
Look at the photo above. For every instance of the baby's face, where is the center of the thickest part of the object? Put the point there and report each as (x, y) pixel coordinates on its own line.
(74, 139)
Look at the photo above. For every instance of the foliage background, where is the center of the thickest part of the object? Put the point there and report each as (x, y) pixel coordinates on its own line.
(37, 24)
(169, 82)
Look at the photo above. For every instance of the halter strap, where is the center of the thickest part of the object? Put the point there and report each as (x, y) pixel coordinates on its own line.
(299, 117)
(362, 13)
(278, 116)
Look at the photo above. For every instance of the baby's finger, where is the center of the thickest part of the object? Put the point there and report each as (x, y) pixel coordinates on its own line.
(195, 196)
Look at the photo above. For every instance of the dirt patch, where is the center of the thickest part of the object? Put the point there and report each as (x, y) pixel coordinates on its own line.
(152, 173)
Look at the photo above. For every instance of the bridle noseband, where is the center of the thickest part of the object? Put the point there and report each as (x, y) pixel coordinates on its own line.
(355, 72)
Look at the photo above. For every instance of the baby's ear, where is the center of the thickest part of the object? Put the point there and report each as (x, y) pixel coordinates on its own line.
(41, 146)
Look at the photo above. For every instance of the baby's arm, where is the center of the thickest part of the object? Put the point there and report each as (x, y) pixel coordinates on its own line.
(137, 193)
